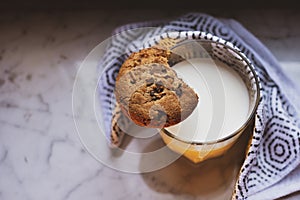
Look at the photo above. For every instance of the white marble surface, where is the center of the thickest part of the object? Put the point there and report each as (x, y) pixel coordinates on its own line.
(41, 156)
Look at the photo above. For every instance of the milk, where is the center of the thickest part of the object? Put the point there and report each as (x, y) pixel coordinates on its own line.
(223, 105)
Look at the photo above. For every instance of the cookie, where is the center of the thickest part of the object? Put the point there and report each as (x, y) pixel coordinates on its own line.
(149, 91)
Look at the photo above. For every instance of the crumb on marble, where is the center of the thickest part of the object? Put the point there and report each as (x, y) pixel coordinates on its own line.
(63, 57)
(28, 77)
(2, 81)
(12, 76)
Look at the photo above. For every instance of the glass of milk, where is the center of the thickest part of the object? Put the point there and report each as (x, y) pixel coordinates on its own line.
(228, 91)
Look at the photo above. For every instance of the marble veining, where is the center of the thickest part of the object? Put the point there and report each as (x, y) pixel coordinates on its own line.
(41, 156)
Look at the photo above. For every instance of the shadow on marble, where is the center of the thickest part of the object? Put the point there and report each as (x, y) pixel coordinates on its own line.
(214, 178)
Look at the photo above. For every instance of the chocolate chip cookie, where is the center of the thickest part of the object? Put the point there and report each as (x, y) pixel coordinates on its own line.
(149, 91)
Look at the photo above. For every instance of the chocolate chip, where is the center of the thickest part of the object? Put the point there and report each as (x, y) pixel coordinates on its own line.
(160, 89)
(168, 76)
(178, 92)
(154, 98)
(157, 89)
(132, 80)
(152, 93)
(149, 81)
(159, 84)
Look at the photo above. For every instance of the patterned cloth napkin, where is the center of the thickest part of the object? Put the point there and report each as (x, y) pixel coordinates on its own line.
(271, 168)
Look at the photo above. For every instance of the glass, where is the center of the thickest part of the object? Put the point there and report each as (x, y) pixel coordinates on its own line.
(225, 52)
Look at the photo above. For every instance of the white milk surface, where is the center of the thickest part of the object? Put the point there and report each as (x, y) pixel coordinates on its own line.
(223, 105)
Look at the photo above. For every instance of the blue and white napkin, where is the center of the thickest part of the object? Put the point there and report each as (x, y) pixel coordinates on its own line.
(271, 168)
